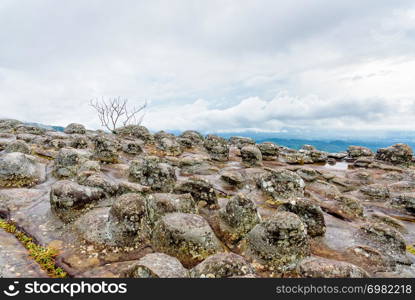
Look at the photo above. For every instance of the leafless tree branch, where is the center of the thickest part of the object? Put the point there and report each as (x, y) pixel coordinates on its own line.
(114, 111)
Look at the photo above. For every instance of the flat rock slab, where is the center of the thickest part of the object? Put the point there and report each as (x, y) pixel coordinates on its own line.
(15, 260)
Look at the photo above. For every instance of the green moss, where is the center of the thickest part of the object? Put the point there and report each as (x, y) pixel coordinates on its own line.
(44, 256)
(411, 249)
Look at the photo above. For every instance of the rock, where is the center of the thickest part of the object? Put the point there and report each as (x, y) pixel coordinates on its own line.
(308, 147)
(279, 242)
(386, 240)
(75, 128)
(307, 174)
(338, 155)
(358, 151)
(160, 204)
(311, 214)
(222, 265)
(135, 132)
(157, 265)
(127, 221)
(317, 156)
(125, 187)
(363, 162)
(98, 180)
(217, 147)
(105, 149)
(68, 199)
(9, 125)
(79, 141)
(323, 189)
(6, 139)
(406, 200)
(196, 165)
(89, 165)
(187, 237)
(69, 161)
(233, 178)
(268, 150)
(191, 138)
(132, 147)
(17, 146)
(376, 192)
(151, 172)
(199, 188)
(368, 258)
(291, 156)
(318, 267)
(20, 170)
(30, 129)
(240, 141)
(281, 184)
(350, 205)
(168, 144)
(251, 156)
(237, 218)
(385, 219)
(396, 154)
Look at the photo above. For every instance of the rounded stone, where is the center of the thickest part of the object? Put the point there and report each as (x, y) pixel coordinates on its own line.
(75, 128)
(317, 267)
(187, 237)
(251, 156)
(217, 147)
(199, 188)
(17, 146)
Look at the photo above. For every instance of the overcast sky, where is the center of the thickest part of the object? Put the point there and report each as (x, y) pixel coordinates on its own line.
(212, 65)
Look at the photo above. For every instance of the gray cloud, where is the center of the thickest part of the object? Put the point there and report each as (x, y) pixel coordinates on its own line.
(336, 61)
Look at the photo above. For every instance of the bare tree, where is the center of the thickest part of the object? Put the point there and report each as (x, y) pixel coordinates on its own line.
(114, 113)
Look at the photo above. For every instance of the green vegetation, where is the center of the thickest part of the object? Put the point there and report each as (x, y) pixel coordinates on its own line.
(44, 256)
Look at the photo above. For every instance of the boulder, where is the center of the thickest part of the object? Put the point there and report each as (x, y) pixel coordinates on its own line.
(105, 149)
(199, 188)
(318, 267)
(233, 178)
(240, 141)
(159, 204)
(308, 147)
(406, 200)
(188, 237)
(167, 143)
(217, 147)
(307, 174)
(150, 171)
(17, 146)
(30, 129)
(75, 128)
(237, 218)
(375, 192)
(396, 154)
(69, 200)
(191, 138)
(251, 156)
(294, 157)
(132, 147)
(98, 180)
(135, 132)
(9, 125)
(190, 165)
(222, 265)
(281, 184)
(6, 139)
(156, 265)
(78, 141)
(69, 161)
(358, 151)
(310, 213)
(20, 170)
(280, 241)
(268, 150)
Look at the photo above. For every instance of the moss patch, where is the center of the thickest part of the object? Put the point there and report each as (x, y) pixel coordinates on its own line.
(44, 256)
(411, 249)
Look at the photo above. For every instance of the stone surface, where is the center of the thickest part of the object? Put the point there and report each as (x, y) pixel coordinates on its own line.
(20, 170)
(317, 267)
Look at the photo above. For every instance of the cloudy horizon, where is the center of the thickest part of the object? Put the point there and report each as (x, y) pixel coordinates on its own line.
(212, 65)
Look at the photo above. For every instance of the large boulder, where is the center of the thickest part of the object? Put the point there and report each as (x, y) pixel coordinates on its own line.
(217, 147)
(251, 156)
(9, 125)
(132, 147)
(191, 138)
(20, 170)
(150, 171)
(375, 192)
(69, 161)
(17, 146)
(310, 213)
(159, 204)
(386, 240)
(241, 141)
(269, 150)
(279, 242)
(106, 149)
(187, 237)
(167, 143)
(127, 221)
(359, 151)
(75, 128)
(69, 199)
(222, 265)
(200, 189)
(294, 157)
(157, 265)
(318, 267)
(30, 129)
(281, 184)
(135, 132)
(237, 218)
(233, 178)
(396, 154)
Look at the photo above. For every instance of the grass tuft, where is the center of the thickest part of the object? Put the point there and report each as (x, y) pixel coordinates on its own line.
(44, 256)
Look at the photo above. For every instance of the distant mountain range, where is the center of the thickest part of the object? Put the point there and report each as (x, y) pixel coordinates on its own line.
(296, 141)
